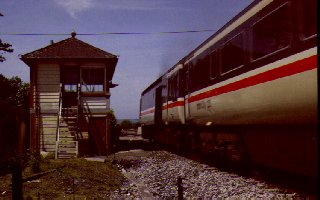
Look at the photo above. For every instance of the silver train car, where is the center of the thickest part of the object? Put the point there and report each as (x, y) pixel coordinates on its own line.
(248, 93)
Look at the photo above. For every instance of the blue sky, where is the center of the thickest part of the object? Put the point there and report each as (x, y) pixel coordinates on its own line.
(143, 58)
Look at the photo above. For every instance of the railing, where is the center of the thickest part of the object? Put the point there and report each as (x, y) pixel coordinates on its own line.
(79, 107)
(58, 122)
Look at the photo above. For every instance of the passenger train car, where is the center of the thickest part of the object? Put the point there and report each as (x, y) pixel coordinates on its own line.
(246, 94)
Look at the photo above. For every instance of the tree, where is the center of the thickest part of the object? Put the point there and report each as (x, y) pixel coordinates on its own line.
(115, 131)
(13, 108)
(126, 124)
(14, 93)
(4, 47)
(113, 119)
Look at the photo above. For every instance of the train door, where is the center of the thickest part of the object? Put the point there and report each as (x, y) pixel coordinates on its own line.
(181, 86)
(187, 90)
(165, 100)
(158, 106)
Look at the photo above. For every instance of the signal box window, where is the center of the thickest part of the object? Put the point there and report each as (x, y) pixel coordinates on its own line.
(69, 78)
(271, 33)
(232, 54)
(92, 80)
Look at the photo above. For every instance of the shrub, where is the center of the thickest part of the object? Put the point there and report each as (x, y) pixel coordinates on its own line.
(35, 160)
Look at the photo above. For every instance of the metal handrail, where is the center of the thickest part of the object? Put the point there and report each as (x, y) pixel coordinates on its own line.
(58, 121)
(79, 105)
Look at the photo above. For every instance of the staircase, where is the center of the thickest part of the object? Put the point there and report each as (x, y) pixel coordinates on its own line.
(67, 146)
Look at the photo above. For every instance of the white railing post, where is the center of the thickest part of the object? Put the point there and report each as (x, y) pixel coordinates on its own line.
(77, 149)
(56, 152)
(58, 122)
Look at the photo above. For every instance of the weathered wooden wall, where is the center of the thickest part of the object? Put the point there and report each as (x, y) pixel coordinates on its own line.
(47, 91)
(95, 106)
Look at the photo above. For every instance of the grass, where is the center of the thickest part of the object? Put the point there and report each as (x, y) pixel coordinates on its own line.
(74, 178)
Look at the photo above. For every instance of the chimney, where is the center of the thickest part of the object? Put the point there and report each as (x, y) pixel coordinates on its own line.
(73, 34)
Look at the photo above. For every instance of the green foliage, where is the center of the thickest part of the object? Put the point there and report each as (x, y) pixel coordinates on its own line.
(4, 47)
(34, 161)
(13, 109)
(126, 124)
(113, 119)
(13, 97)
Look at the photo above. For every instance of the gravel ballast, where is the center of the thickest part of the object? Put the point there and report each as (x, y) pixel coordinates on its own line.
(154, 175)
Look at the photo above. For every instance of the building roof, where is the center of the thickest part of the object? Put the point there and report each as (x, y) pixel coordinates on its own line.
(68, 48)
(71, 49)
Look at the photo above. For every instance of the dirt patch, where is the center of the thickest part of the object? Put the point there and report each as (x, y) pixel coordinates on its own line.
(128, 159)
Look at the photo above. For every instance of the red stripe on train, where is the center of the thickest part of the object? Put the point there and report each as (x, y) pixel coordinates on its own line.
(286, 70)
(173, 104)
(147, 112)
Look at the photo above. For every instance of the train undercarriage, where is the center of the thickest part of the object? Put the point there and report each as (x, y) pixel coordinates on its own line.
(289, 148)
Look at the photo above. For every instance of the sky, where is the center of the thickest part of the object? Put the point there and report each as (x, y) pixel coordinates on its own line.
(142, 58)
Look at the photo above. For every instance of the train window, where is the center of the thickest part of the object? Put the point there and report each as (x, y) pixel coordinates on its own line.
(202, 71)
(197, 74)
(192, 81)
(309, 17)
(164, 94)
(214, 65)
(232, 54)
(181, 80)
(147, 101)
(170, 90)
(271, 33)
(186, 79)
(173, 88)
(205, 70)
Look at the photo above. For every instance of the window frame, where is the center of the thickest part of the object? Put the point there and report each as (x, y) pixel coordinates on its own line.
(67, 85)
(217, 57)
(173, 84)
(104, 90)
(287, 3)
(242, 33)
(301, 15)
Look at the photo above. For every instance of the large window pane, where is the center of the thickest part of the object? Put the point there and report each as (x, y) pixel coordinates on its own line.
(232, 54)
(92, 79)
(173, 88)
(271, 33)
(309, 15)
(214, 65)
(69, 78)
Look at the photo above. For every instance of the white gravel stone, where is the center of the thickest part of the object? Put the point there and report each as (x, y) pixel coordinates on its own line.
(159, 171)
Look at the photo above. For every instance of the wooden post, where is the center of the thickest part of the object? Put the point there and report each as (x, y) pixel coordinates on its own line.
(16, 179)
(107, 134)
(33, 131)
(21, 138)
(16, 165)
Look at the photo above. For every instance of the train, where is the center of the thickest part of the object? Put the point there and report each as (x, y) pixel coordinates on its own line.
(247, 94)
